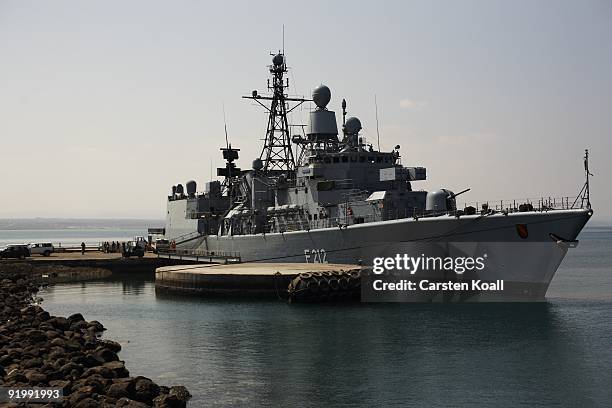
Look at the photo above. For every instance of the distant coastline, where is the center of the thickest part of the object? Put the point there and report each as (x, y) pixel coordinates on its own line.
(77, 223)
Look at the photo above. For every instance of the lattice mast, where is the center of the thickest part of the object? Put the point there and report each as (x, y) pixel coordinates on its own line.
(277, 154)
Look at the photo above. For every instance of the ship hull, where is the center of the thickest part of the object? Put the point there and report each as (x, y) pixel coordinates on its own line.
(524, 250)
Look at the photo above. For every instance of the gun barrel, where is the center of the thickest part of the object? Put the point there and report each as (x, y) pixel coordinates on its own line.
(461, 192)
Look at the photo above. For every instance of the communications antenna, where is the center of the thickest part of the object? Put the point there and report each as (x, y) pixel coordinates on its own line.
(277, 154)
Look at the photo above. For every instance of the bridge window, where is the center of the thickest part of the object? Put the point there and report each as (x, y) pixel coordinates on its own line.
(344, 159)
(362, 159)
(379, 159)
(336, 159)
(327, 160)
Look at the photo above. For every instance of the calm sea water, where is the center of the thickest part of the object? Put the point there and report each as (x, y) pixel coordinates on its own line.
(553, 354)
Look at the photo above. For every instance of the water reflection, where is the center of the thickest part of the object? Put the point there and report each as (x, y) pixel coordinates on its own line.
(274, 354)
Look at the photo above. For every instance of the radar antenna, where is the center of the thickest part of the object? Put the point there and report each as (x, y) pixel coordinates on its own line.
(277, 154)
(377, 132)
(230, 172)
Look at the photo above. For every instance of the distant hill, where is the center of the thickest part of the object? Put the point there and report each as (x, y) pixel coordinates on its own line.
(77, 223)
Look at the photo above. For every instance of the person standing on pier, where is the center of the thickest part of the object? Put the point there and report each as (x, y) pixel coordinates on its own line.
(82, 248)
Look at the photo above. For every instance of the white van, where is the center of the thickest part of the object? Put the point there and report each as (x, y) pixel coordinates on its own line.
(41, 248)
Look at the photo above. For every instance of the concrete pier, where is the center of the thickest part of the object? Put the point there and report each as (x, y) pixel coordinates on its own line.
(268, 280)
(84, 267)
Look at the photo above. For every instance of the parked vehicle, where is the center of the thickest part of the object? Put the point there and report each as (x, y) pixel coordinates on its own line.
(134, 249)
(161, 245)
(41, 248)
(20, 251)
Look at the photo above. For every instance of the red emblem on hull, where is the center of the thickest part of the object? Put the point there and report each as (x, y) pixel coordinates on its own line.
(522, 230)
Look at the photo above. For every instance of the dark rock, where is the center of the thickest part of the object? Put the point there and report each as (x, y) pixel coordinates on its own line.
(78, 326)
(36, 335)
(35, 377)
(102, 371)
(98, 327)
(77, 396)
(88, 403)
(87, 360)
(73, 345)
(128, 403)
(59, 323)
(108, 401)
(168, 401)
(16, 377)
(63, 384)
(31, 363)
(77, 317)
(47, 368)
(58, 342)
(51, 334)
(43, 316)
(120, 390)
(107, 355)
(118, 369)
(111, 345)
(35, 351)
(181, 392)
(69, 367)
(145, 390)
(95, 384)
(31, 310)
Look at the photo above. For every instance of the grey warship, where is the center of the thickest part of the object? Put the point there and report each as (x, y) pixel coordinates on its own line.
(320, 195)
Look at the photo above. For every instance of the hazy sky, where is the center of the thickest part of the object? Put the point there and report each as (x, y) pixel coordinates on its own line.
(105, 105)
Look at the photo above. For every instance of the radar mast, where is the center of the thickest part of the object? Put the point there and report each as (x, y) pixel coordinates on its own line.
(276, 154)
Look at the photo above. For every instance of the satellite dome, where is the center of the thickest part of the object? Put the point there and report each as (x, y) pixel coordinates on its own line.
(352, 126)
(278, 59)
(321, 96)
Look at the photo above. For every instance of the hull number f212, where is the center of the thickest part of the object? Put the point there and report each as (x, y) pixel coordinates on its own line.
(315, 255)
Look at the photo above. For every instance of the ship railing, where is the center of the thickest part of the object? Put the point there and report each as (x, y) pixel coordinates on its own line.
(305, 225)
(203, 252)
(541, 204)
(200, 255)
(526, 204)
(355, 195)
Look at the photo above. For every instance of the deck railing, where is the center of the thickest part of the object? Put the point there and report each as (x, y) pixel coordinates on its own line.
(538, 204)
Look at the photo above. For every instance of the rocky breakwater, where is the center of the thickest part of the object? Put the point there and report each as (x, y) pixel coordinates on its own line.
(40, 350)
